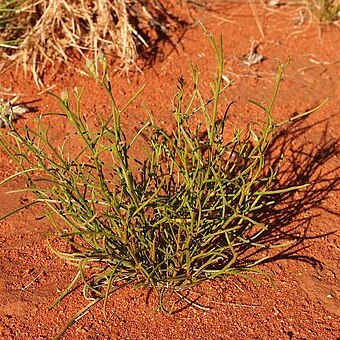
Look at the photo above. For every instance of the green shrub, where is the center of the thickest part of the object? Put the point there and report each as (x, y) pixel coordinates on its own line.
(179, 216)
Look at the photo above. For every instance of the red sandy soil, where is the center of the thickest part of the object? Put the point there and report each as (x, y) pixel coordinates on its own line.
(304, 301)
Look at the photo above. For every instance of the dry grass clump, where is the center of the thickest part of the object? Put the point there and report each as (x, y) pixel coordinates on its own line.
(322, 11)
(326, 11)
(10, 31)
(50, 31)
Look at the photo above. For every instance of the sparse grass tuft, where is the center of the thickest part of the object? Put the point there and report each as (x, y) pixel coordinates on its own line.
(184, 213)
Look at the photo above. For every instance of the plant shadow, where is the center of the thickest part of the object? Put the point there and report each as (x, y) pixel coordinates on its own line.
(165, 27)
(290, 218)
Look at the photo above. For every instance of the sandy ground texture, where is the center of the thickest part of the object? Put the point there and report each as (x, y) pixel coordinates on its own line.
(304, 300)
